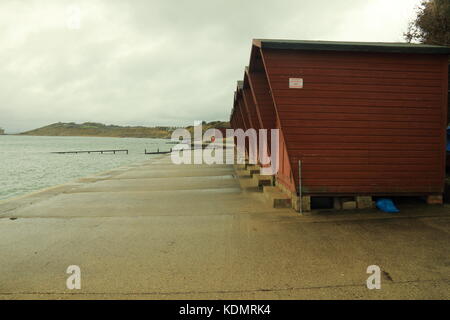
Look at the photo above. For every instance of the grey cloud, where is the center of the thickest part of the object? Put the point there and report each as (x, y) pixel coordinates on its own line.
(156, 62)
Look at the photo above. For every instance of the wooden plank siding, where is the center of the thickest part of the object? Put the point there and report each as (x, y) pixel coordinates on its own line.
(254, 97)
(237, 113)
(257, 80)
(250, 107)
(448, 91)
(250, 104)
(260, 90)
(233, 124)
(245, 112)
(267, 114)
(235, 116)
(364, 122)
(242, 113)
(248, 123)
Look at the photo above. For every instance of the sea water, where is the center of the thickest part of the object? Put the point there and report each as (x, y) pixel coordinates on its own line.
(27, 163)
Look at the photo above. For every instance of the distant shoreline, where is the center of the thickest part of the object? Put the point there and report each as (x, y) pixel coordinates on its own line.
(79, 136)
(94, 129)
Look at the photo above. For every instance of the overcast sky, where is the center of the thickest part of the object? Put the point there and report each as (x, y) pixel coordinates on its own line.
(157, 62)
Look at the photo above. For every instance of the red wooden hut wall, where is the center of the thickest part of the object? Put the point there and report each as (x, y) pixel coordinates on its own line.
(250, 103)
(246, 112)
(234, 119)
(267, 115)
(246, 121)
(260, 90)
(365, 122)
(238, 115)
(234, 113)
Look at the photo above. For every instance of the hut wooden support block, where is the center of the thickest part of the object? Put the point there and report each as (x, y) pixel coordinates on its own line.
(351, 203)
(306, 203)
(435, 199)
(364, 202)
(337, 205)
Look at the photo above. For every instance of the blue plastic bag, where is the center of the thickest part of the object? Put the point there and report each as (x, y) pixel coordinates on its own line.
(386, 205)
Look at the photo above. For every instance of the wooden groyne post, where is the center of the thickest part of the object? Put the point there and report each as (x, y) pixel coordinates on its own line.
(92, 151)
(158, 152)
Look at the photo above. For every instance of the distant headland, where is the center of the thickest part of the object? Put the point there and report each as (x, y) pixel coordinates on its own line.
(94, 129)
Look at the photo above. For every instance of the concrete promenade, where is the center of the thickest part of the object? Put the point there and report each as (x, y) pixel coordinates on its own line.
(162, 231)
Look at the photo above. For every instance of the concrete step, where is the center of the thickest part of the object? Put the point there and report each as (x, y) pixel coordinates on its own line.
(242, 174)
(277, 198)
(239, 166)
(262, 180)
(253, 170)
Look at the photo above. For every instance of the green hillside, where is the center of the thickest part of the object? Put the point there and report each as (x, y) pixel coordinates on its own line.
(101, 130)
(210, 125)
